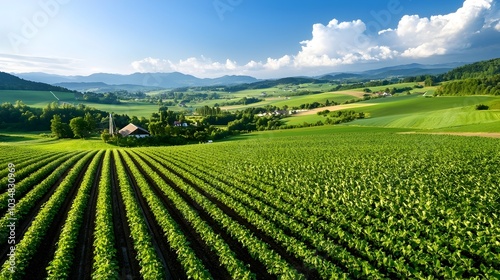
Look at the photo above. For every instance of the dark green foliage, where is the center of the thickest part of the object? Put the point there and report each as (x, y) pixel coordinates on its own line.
(481, 69)
(243, 101)
(11, 82)
(472, 86)
(429, 81)
(482, 107)
(20, 116)
(60, 129)
(341, 116)
(79, 127)
(208, 111)
(104, 98)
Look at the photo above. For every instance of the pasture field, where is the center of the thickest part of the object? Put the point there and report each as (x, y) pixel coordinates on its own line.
(291, 101)
(35, 98)
(41, 99)
(417, 112)
(131, 108)
(327, 202)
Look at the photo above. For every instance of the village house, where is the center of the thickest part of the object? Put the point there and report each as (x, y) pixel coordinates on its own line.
(134, 131)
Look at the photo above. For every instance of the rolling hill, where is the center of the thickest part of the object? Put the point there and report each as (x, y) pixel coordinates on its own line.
(479, 69)
(11, 82)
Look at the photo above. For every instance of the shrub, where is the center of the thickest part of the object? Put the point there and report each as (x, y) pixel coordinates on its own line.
(482, 107)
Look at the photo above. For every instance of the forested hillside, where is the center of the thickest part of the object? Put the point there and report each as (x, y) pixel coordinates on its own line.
(11, 82)
(480, 78)
(474, 86)
(481, 69)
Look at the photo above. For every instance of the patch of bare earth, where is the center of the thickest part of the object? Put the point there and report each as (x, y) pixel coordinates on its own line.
(478, 134)
(333, 108)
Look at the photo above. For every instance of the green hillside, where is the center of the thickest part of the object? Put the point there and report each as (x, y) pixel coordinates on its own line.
(417, 112)
(11, 82)
(418, 104)
(40, 99)
(479, 69)
(35, 98)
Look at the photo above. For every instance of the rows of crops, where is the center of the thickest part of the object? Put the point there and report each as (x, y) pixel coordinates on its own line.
(350, 205)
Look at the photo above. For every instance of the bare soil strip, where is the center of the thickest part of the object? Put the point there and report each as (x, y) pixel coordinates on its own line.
(210, 259)
(333, 108)
(294, 261)
(37, 266)
(82, 266)
(126, 254)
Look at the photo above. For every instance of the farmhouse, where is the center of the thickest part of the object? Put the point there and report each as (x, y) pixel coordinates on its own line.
(178, 123)
(383, 94)
(133, 130)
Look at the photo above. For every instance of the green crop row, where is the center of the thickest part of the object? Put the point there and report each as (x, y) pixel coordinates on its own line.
(292, 244)
(25, 166)
(59, 267)
(35, 174)
(296, 215)
(27, 247)
(105, 265)
(192, 265)
(17, 156)
(256, 247)
(151, 266)
(227, 258)
(411, 206)
(276, 211)
(43, 184)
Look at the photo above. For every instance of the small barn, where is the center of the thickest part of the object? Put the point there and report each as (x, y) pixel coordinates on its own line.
(134, 131)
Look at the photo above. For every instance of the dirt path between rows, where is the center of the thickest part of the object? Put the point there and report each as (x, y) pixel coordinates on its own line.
(82, 265)
(126, 253)
(477, 134)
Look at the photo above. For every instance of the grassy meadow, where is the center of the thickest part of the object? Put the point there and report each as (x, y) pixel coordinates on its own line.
(417, 112)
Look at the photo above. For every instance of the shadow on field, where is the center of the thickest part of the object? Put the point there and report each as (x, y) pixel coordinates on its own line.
(13, 138)
(237, 137)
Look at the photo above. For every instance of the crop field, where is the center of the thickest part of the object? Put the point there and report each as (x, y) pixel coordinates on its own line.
(340, 203)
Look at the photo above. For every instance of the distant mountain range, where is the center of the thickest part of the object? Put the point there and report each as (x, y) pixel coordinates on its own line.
(407, 70)
(104, 82)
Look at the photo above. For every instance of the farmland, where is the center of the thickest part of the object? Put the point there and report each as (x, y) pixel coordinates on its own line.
(417, 112)
(315, 203)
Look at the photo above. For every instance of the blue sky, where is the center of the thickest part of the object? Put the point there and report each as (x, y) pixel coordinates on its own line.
(265, 39)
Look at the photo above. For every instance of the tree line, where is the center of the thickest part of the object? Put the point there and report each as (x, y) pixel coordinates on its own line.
(471, 86)
(19, 116)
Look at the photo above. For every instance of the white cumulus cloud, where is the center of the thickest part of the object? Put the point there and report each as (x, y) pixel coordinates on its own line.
(341, 43)
(150, 64)
(441, 34)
